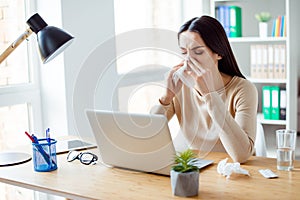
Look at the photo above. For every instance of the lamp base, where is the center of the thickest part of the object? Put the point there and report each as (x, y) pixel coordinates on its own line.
(13, 158)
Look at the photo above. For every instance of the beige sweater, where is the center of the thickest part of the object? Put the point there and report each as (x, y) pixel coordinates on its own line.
(224, 120)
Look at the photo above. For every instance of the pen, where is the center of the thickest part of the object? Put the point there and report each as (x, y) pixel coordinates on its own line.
(41, 150)
(31, 138)
(48, 135)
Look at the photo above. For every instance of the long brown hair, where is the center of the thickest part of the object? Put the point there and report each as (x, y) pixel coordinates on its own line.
(215, 38)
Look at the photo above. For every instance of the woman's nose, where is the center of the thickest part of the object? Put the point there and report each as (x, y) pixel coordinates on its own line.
(187, 57)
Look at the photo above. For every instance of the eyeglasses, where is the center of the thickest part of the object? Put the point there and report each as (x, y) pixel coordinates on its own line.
(86, 158)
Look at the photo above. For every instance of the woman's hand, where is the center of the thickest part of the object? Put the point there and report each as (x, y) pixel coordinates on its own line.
(172, 87)
(207, 79)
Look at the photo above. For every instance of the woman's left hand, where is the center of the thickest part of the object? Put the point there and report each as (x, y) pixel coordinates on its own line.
(207, 79)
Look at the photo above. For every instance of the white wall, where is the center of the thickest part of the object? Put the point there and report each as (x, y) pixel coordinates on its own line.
(52, 77)
(91, 23)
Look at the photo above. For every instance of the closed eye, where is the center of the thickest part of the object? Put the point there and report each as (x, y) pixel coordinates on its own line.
(198, 52)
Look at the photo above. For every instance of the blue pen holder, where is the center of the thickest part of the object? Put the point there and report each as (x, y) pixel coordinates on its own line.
(44, 155)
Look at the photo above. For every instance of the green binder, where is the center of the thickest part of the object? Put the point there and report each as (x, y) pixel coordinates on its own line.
(235, 23)
(266, 101)
(282, 106)
(275, 105)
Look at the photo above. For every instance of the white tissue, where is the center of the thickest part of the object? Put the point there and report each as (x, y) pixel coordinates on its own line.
(185, 78)
(226, 169)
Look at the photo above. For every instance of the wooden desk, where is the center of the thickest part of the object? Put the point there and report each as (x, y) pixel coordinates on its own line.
(77, 181)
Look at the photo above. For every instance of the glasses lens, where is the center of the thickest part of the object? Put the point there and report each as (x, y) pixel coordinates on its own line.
(72, 156)
(87, 158)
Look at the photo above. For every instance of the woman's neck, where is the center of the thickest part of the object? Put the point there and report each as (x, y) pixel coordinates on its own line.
(226, 78)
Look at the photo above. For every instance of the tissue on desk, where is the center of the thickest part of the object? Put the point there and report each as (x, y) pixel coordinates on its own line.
(226, 169)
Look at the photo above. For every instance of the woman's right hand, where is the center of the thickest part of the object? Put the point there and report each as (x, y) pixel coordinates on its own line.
(172, 87)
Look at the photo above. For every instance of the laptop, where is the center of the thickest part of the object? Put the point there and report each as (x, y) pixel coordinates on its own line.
(140, 142)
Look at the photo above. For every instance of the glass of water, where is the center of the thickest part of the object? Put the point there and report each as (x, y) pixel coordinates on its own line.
(286, 144)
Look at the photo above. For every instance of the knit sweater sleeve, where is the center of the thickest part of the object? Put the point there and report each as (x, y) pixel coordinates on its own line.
(167, 110)
(237, 132)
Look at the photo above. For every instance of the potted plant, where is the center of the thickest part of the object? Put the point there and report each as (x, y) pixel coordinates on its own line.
(263, 19)
(185, 174)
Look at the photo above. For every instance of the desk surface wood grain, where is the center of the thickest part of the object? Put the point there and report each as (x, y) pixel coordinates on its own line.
(77, 181)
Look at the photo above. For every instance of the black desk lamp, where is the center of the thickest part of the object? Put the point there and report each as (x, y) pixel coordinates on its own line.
(51, 41)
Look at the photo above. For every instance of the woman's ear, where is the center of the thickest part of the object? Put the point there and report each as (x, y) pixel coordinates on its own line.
(219, 57)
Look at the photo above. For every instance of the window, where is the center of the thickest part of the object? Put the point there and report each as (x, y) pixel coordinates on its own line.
(142, 70)
(19, 90)
(14, 69)
(8, 115)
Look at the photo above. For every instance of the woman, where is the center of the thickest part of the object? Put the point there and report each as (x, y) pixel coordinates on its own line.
(214, 103)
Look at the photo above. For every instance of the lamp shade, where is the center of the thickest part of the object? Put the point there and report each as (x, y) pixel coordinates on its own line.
(51, 40)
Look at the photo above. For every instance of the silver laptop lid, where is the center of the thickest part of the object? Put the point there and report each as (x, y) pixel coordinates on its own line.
(134, 141)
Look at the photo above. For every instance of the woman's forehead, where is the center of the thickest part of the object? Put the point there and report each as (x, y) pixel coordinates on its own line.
(189, 39)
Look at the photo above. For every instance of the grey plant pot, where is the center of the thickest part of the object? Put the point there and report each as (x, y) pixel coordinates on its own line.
(185, 184)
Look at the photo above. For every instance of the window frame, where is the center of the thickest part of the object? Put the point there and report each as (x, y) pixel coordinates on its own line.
(27, 92)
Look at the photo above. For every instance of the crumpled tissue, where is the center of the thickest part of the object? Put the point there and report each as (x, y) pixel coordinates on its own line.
(186, 79)
(226, 169)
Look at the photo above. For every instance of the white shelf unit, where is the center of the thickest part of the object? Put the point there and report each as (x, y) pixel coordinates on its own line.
(261, 119)
(257, 39)
(241, 47)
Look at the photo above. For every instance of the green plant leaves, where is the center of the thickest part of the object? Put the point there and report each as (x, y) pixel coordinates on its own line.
(263, 16)
(185, 161)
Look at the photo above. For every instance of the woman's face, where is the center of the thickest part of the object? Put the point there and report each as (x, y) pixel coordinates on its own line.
(192, 45)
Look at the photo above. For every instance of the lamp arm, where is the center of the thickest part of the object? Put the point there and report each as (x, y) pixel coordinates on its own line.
(15, 44)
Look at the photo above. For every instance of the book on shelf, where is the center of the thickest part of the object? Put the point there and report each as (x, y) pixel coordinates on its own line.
(268, 61)
(274, 102)
(282, 25)
(282, 104)
(275, 99)
(235, 22)
(253, 62)
(223, 16)
(279, 26)
(282, 65)
(265, 70)
(266, 101)
(259, 61)
(231, 19)
(276, 61)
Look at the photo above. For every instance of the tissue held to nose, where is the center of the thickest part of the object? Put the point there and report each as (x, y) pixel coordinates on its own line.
(181, 74)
